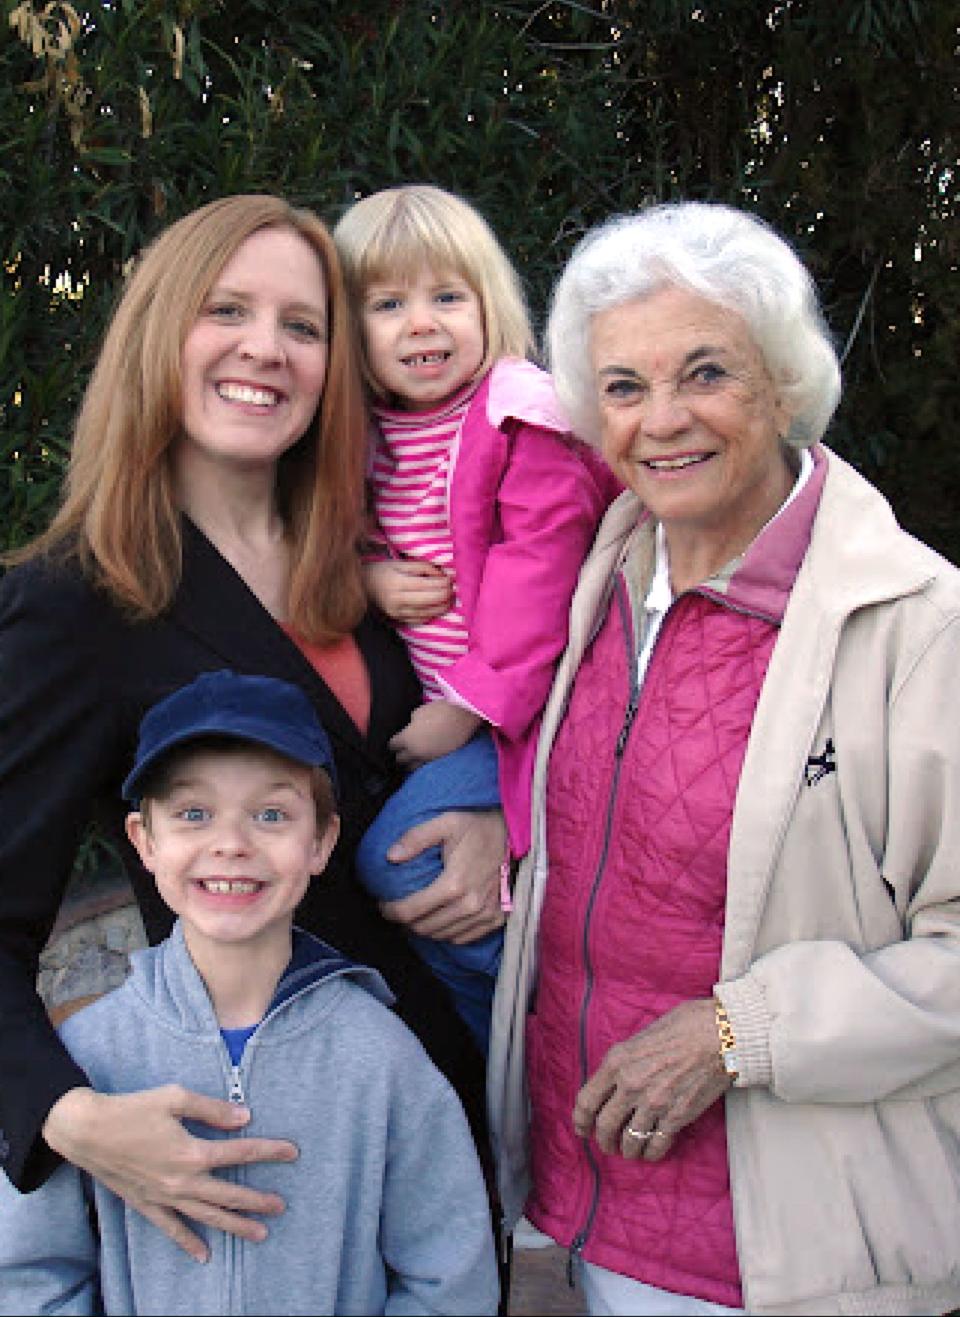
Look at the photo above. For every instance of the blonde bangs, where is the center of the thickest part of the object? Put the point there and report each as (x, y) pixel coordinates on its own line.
(393, 234)
(404, 244)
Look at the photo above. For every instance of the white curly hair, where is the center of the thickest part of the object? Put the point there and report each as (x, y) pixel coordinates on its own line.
(723, 254)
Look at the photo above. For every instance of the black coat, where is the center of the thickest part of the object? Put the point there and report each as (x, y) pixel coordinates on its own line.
(75, 680)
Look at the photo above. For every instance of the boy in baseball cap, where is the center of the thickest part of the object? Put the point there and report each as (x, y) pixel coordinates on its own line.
(234, 796)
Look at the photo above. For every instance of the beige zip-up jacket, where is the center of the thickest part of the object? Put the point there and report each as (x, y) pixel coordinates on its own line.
(841, 955)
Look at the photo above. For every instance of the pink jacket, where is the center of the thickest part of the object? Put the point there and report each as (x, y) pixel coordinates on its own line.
(841, 932)
(639, 803)
(525, 500)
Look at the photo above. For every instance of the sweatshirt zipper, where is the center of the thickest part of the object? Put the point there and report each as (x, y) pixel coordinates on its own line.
(236, 1093)
(629, 716)
(235, 1090)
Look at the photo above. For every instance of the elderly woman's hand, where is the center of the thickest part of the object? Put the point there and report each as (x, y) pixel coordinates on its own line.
(654, 1083)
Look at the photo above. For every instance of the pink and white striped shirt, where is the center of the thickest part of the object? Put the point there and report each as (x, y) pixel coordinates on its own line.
(410, 483)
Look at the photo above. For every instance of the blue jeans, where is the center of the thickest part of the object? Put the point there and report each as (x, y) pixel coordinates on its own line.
(465, 779)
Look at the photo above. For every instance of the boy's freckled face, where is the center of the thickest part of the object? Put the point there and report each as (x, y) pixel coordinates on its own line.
(423, 335)
(234, 842)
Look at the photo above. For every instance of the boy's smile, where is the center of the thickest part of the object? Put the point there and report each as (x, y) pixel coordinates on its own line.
(233, 844)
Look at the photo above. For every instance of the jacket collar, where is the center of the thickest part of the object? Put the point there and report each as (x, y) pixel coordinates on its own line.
(859, 555)
(215, 604)
(166, 977)
(838, 508)
(518, 390)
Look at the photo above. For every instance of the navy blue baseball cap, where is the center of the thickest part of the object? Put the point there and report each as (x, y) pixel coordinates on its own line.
(264, 710)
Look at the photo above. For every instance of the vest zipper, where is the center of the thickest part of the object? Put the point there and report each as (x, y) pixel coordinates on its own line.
(630, 713)
(573, 1254)
(628, 717)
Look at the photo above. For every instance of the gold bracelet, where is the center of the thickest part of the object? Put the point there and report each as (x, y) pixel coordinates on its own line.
(728, 1040)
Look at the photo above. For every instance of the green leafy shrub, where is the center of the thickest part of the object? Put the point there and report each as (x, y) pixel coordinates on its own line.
(118, 118)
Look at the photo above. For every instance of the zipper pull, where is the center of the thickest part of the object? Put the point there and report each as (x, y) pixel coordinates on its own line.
(628, 718)
(506, 1244)
(573, 1254)
(236, 1087)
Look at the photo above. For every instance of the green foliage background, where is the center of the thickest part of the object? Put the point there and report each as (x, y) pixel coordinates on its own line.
(835, 119)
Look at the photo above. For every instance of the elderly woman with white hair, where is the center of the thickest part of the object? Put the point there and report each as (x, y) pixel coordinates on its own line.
(725, 1064)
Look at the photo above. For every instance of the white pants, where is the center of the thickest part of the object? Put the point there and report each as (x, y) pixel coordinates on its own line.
(608, 1294)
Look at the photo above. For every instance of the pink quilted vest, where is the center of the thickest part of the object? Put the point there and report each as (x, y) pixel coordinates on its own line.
(632, 925)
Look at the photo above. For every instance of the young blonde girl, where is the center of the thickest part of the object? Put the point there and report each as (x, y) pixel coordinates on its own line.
(484, 506)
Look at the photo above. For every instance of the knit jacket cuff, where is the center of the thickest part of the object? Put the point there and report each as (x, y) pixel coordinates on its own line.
(746, 1007)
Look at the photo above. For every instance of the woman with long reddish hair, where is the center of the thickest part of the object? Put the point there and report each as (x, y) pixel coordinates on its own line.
(210, 519)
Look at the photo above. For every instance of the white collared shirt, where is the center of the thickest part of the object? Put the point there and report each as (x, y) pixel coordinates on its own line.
(660, 596)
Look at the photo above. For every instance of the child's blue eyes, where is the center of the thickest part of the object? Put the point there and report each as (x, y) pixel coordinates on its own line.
(271, 815)
(449, 297)
(224, 311)
(200, 814)
(193, 814)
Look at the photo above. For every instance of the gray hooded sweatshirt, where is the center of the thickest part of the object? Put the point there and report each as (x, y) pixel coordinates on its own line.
(386, 1210)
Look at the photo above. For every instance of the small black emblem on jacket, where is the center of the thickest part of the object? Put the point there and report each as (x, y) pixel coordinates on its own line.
(819, 766)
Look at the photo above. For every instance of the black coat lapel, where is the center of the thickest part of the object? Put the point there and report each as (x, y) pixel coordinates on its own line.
(215, 604)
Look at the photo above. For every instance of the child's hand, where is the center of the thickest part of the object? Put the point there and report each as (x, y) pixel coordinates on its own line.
(434, 729)
(408, 590)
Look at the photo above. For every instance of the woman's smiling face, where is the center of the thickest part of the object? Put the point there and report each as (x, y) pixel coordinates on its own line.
(690, 417)
(255, 358)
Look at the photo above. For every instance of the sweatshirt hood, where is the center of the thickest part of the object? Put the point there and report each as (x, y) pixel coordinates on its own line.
(166, 978)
